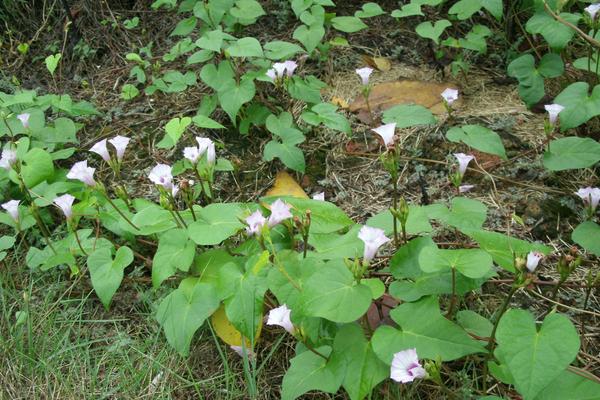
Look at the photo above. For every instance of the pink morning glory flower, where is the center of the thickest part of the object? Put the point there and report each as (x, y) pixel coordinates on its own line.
(590, 196)
(373, 238)
(319, 196)
(192, 154)
(281, 316)
(81, 172)
(450, 95)
(65, 203)
(364, 74)
(255, 222)
(161, 175)
(9, 158)
(463, 162)
(592, 10)
(12, 208)
(101, 149)
(533, 259)
(406, 367)
(553, 111)
(387, 133)
(120, 143)
(280, 211)
(241, 350)
(24, 118)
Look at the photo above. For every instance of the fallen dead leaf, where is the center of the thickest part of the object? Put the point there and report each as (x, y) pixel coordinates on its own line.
(379, 63)
(389, 94)
(286, 185)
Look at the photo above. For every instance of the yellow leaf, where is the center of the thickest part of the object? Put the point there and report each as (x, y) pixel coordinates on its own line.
(380, 63)
(338, 101)
(285, 185)
(227, 332)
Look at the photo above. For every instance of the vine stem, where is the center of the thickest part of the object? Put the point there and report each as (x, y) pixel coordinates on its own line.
(118, 210)
(492, 342)
(79, 241)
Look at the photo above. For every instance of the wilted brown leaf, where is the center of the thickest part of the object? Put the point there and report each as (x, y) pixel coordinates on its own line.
(389, 94)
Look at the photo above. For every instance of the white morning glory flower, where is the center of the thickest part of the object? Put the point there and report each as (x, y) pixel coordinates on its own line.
(12, 208)
(101, 149)
(192, 154)
(205, 145)
(65, 203)
(161, 175)
(319, 196)
(463, 162)
(255, 222)
(24, 118)
(9, 158)
(406, 367)
(450, 95)
(373, 238)
(81, 172)
(533, 259)
(281, 316)
(592, 10)
(120, 143)
(387, 133)
(553, 111)
(364, 74)
(280, 211)
(590, 196)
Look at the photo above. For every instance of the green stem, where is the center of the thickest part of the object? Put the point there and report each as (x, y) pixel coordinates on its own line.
(79, 241)
(118, 210)
(395, 205)
(492, 342)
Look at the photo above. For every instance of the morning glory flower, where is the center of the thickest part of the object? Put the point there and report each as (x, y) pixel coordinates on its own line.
(12, 208)
(592, 10)
(174, 190)
(280, 211)
(450, 96)
(463, 162)
(120, 143)
(279, 69)
(533, 259)
(101, 149)
(387, 133)
(290, 67)
(161, 175)
(553, 111)
(9, 158)
(241, 350)
(406, 367)
(281, 316)
(364, 74)
(319, 196)
(205, 145)
(272, 74)
(590, 196)
(373, 238)
(65, 203)
(465, 188)
(81, 172)
(192, 154)
(255, 222)
(24, 118)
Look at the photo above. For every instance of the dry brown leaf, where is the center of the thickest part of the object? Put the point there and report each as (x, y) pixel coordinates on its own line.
(338, 101)
(389, 94)
(379, 63)
(286, 185)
